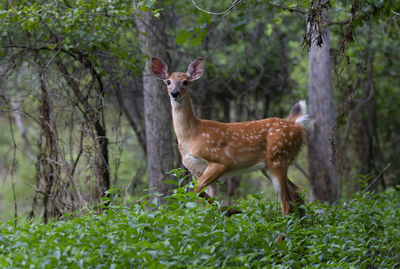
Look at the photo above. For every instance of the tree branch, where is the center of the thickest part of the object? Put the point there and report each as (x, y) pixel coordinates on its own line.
(376, 178)
(234, 4)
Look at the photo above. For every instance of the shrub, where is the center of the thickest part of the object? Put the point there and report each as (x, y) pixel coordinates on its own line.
(187, 232)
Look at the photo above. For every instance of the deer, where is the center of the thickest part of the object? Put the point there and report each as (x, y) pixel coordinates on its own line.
(211, 149)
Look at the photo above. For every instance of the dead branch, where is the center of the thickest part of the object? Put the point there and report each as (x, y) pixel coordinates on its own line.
(376, 178)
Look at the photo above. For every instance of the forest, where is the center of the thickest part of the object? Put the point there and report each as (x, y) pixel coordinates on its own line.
(91, 172)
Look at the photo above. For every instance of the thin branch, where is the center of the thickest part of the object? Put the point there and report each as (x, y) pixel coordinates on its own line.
(301, 170)
(395, 13)
(234, 4)
(376, 178)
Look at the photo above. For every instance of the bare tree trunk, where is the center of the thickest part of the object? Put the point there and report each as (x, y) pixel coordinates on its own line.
(159, 143)
(16, 107)
(323, 174)
(48, 169)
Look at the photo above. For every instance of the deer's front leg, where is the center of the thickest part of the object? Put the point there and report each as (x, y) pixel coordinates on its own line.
(212, 189)
(212, 173)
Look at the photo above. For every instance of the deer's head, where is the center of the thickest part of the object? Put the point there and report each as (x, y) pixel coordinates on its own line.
(177, 82)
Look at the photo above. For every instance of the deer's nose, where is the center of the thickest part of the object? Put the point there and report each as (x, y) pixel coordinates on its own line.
(175, 93)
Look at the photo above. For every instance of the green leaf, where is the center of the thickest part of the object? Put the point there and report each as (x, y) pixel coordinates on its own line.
(182, 37)
(171, 182)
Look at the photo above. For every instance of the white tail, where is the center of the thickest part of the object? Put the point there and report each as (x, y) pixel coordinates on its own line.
(211, 149)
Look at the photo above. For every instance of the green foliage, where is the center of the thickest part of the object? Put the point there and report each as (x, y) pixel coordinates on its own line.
(74, 26)
(187, 232)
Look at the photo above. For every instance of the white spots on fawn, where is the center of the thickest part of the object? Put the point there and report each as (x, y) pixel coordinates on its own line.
(206, 135)
(277, 130)
(291, 134)
(214, 149)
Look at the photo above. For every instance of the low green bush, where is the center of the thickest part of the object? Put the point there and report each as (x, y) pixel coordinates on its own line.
(187, 232)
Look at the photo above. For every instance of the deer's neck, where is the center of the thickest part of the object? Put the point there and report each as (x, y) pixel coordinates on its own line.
(184, 118)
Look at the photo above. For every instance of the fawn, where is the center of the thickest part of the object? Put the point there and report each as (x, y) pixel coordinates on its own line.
(211, 149)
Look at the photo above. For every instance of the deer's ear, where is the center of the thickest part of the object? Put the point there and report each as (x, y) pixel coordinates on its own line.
(160, 69)
(195, 69)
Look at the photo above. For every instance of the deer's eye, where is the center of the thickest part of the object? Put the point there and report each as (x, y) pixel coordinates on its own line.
(168, 82)
(185, 83)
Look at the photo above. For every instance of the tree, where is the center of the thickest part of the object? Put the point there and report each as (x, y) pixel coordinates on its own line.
(65, 42)
(158, 121)
(323, 174)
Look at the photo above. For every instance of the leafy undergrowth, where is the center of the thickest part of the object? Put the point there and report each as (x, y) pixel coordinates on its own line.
(188, 233)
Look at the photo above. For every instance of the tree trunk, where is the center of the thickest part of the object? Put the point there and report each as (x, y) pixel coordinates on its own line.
(16, 110)
(48, 175)
(159, 143)
(323, 174)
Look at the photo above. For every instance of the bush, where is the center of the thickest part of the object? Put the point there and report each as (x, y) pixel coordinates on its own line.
(187, 232)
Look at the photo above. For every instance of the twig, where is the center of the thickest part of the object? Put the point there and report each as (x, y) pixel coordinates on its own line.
(376, 178)
(301, 170)
(234, 4)
(395, 13)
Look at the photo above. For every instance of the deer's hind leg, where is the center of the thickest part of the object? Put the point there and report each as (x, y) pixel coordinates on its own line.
(285, 189)
(278, 176)
(295, 196)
